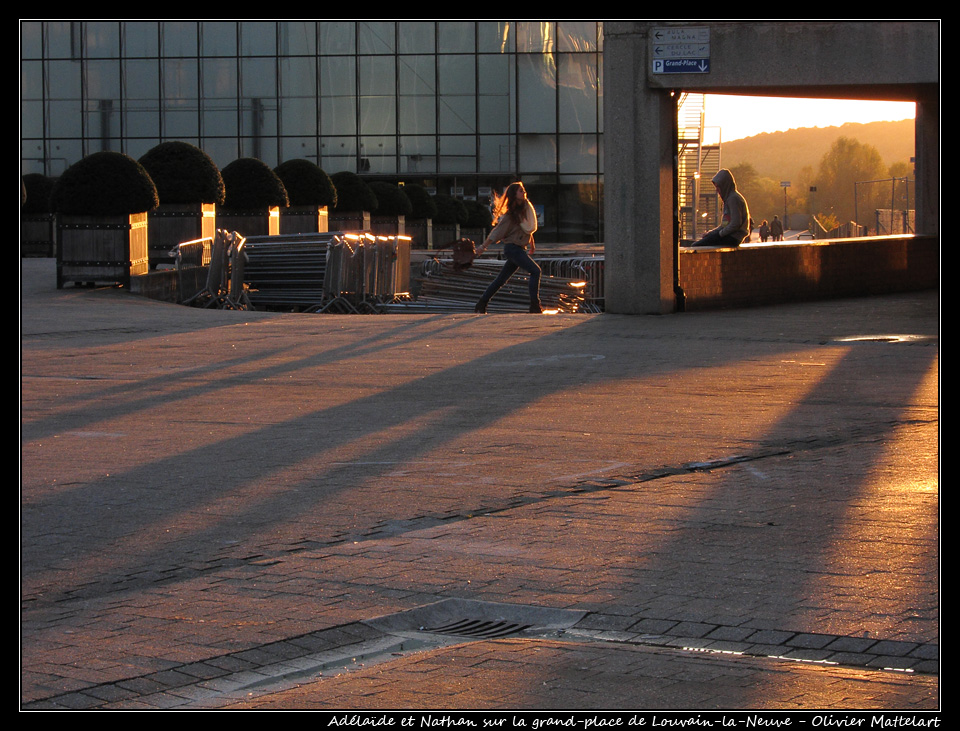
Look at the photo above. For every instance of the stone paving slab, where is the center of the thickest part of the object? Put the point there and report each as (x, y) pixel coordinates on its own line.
(209, 490)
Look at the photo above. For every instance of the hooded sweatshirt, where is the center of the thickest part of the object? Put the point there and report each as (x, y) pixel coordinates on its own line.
(736, 214)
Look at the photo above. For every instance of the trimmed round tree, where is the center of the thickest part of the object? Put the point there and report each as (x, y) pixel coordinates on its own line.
(423, 204)
(104, 183)
(184, 173)
(307, 184)
(450, 210)
(392, 200)
(478, 215)
(38, 188)
(353, 193)
(252, 185)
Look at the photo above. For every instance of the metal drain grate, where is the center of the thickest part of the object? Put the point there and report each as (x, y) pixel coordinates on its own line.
(481, 629)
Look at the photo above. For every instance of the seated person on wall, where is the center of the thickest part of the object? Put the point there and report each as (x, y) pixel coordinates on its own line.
(734, 227)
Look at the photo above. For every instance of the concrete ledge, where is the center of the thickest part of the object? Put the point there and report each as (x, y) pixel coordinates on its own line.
(715, 278)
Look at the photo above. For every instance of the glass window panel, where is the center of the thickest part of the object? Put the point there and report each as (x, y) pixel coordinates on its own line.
(298, 97)
(219, 38)
(537, 93)
(63, 118)
(378, 154)
(417, 75)
(337, 37)
(179, 38)
(577, 35)
(495, 86)
(457, 98)
(63, 153)
(218, 101)
(102, 39)
(418, 154)
(600, 94)
(579, 209)
(338, 115)
(496, 154)
(298, 38)
(416, 37)
(258, 77)
(457, 36)
(32, 159)
(31, 40)
(496, 37)
(418, 114)
(141, 95)
(457, 154)
(378, 115)
(102, 125)
(31, 80)
(458, 114)
(137, 148)
(222, 150)
(298, 148)
(63, 99)
(258, 117)
(338, 76)
(262, 148)
(31, 118)
(578, 154)
(375, 36)
(140, 39)
(103, 80)
(536, 36)
(577, 92)
(377, 75)
(258, 38)
(537, 153)
(63, 39)
(338, 153)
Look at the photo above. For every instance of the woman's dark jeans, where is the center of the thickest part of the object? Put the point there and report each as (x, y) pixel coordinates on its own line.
(517, 258)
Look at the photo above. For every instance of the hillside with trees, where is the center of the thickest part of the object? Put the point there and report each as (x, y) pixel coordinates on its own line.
(832, 159)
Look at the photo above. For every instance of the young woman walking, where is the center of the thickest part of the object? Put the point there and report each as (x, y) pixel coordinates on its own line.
(515, 223)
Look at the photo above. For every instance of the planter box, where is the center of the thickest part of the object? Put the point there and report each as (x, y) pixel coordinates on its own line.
(304, 220)
(421, 232)
(263, 222)
(353, 221)
(38, 235)
(107, 249)
(173, 223)
(444, 233)
(388, 225)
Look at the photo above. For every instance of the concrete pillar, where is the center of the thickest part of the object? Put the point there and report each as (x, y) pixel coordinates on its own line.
(638, 179)
(928, 161)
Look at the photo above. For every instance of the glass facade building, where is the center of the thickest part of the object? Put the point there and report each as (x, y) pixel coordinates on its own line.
(462, 107)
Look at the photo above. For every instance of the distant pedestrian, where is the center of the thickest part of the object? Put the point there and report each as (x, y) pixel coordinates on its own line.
(764, 231)
(776, 229)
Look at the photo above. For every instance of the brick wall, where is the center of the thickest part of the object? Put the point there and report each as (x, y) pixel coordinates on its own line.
(769, 274)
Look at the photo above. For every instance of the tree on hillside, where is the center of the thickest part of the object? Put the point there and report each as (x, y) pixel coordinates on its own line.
(846, 163)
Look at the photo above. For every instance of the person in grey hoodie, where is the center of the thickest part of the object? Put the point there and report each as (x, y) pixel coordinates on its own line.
(734, 226)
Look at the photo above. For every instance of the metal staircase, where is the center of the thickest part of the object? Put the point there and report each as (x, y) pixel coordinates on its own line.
(697, 164)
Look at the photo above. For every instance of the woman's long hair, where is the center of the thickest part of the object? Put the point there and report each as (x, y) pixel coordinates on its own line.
(506, 204)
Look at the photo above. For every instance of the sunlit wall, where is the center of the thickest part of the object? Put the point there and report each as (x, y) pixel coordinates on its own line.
(459, 106)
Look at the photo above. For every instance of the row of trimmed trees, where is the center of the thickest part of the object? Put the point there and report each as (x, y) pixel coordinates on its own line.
(179, 173)
(184, 196)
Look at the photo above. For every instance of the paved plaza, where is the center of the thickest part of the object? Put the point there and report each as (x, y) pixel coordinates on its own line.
(724, 510)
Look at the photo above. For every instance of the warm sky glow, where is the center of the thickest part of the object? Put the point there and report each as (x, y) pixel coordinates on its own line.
(744, 116)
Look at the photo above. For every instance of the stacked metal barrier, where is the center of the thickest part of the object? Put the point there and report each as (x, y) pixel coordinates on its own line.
(365, 272)
(288, 271)
(563, 286)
